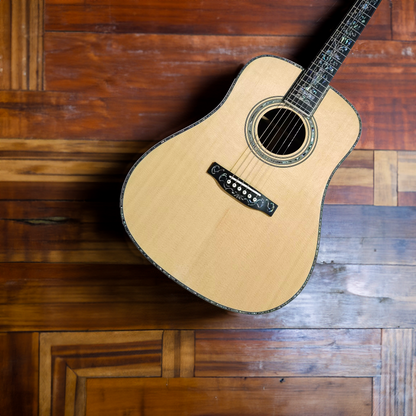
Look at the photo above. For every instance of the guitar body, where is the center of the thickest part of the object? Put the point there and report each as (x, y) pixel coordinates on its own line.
(232, 255)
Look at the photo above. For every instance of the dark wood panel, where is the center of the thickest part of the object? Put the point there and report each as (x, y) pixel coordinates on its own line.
(377, 78)
(406, 199)
(404, 20)
(294, 18)
(82, 232)
(5, 45)
(315, 396)
(286, 353)
(19, 369)
(108, 297)
(354, 195)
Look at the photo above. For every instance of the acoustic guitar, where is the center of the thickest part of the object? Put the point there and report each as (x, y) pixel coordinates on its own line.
(230, 207)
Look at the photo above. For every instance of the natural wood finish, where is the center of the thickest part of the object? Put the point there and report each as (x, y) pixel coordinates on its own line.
(404, 20)
(109, 297)
(212, 244)
(35, 78)
(19, 55)
(178, 354)
(26, 57)
(216, 17)
(111, 95)
(262, 396)
(286, 353)
(385, 178)
(407, 171)
(5, 45)
(375, 78)
(397, 377)
(407, 199)
(115, 354)
(19, 364)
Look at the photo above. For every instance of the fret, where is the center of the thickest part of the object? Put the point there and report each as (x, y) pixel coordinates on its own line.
(313, 83)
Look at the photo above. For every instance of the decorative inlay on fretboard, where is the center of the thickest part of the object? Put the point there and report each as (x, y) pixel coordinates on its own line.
(311, 86)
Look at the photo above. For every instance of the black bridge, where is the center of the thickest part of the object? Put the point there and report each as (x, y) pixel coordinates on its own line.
(241, 191)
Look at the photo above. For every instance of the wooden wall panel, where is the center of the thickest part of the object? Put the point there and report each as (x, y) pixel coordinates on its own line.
(233, 17)
(19, 371)
(230, 396)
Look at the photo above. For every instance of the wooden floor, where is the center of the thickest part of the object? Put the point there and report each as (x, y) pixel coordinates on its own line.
(87, 326)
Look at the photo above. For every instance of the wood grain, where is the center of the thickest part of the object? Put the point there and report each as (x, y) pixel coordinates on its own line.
(286, 353)
(178, 354)
(230, 396)
(115, 296)
(19, 55)
(388, 122)
(407, 171)
(5, 45)
(115, 354)
(385, 178)
(397, 372)
(19, 366)
(231, 18)
(404, 20)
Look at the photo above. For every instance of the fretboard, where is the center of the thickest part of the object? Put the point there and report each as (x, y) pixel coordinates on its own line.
(311, 86)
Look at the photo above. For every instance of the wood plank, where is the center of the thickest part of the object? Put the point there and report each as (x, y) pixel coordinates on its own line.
(407, 171)
(5, 45)
(393, 251)
(138, 352)
(58, 191)
(371, 222)
(118, 297)
(385, 178)
(407, 199)
(294, 18)
(178, 354)
(19, 363)
(199, 64)
(397, 387)
(19, 36)
(35, 50)
(404, 20)
(344, 188)
(315, 396)
(286, 353)
(87, 232)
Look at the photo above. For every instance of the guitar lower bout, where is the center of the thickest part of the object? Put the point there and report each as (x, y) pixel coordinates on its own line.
(206, 233)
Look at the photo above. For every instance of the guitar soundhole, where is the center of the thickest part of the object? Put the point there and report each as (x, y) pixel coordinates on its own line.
(281, 131)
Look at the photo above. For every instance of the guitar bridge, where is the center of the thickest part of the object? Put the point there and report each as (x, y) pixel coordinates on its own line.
(241, 190)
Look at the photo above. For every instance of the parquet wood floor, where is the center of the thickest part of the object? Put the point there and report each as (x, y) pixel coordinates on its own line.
(88, 327)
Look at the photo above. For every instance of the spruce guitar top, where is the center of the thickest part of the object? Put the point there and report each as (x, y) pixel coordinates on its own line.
(230, 207)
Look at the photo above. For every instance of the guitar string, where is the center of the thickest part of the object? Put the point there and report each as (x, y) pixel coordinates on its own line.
(248, 150)
(294, 136)
(356, 8)
(359, 11)
(254, 158)
(270, 124)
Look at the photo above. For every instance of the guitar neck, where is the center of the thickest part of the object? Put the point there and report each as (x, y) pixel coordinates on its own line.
(311, 86)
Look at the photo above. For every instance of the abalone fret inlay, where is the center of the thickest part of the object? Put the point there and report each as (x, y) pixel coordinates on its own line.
(313, 83)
